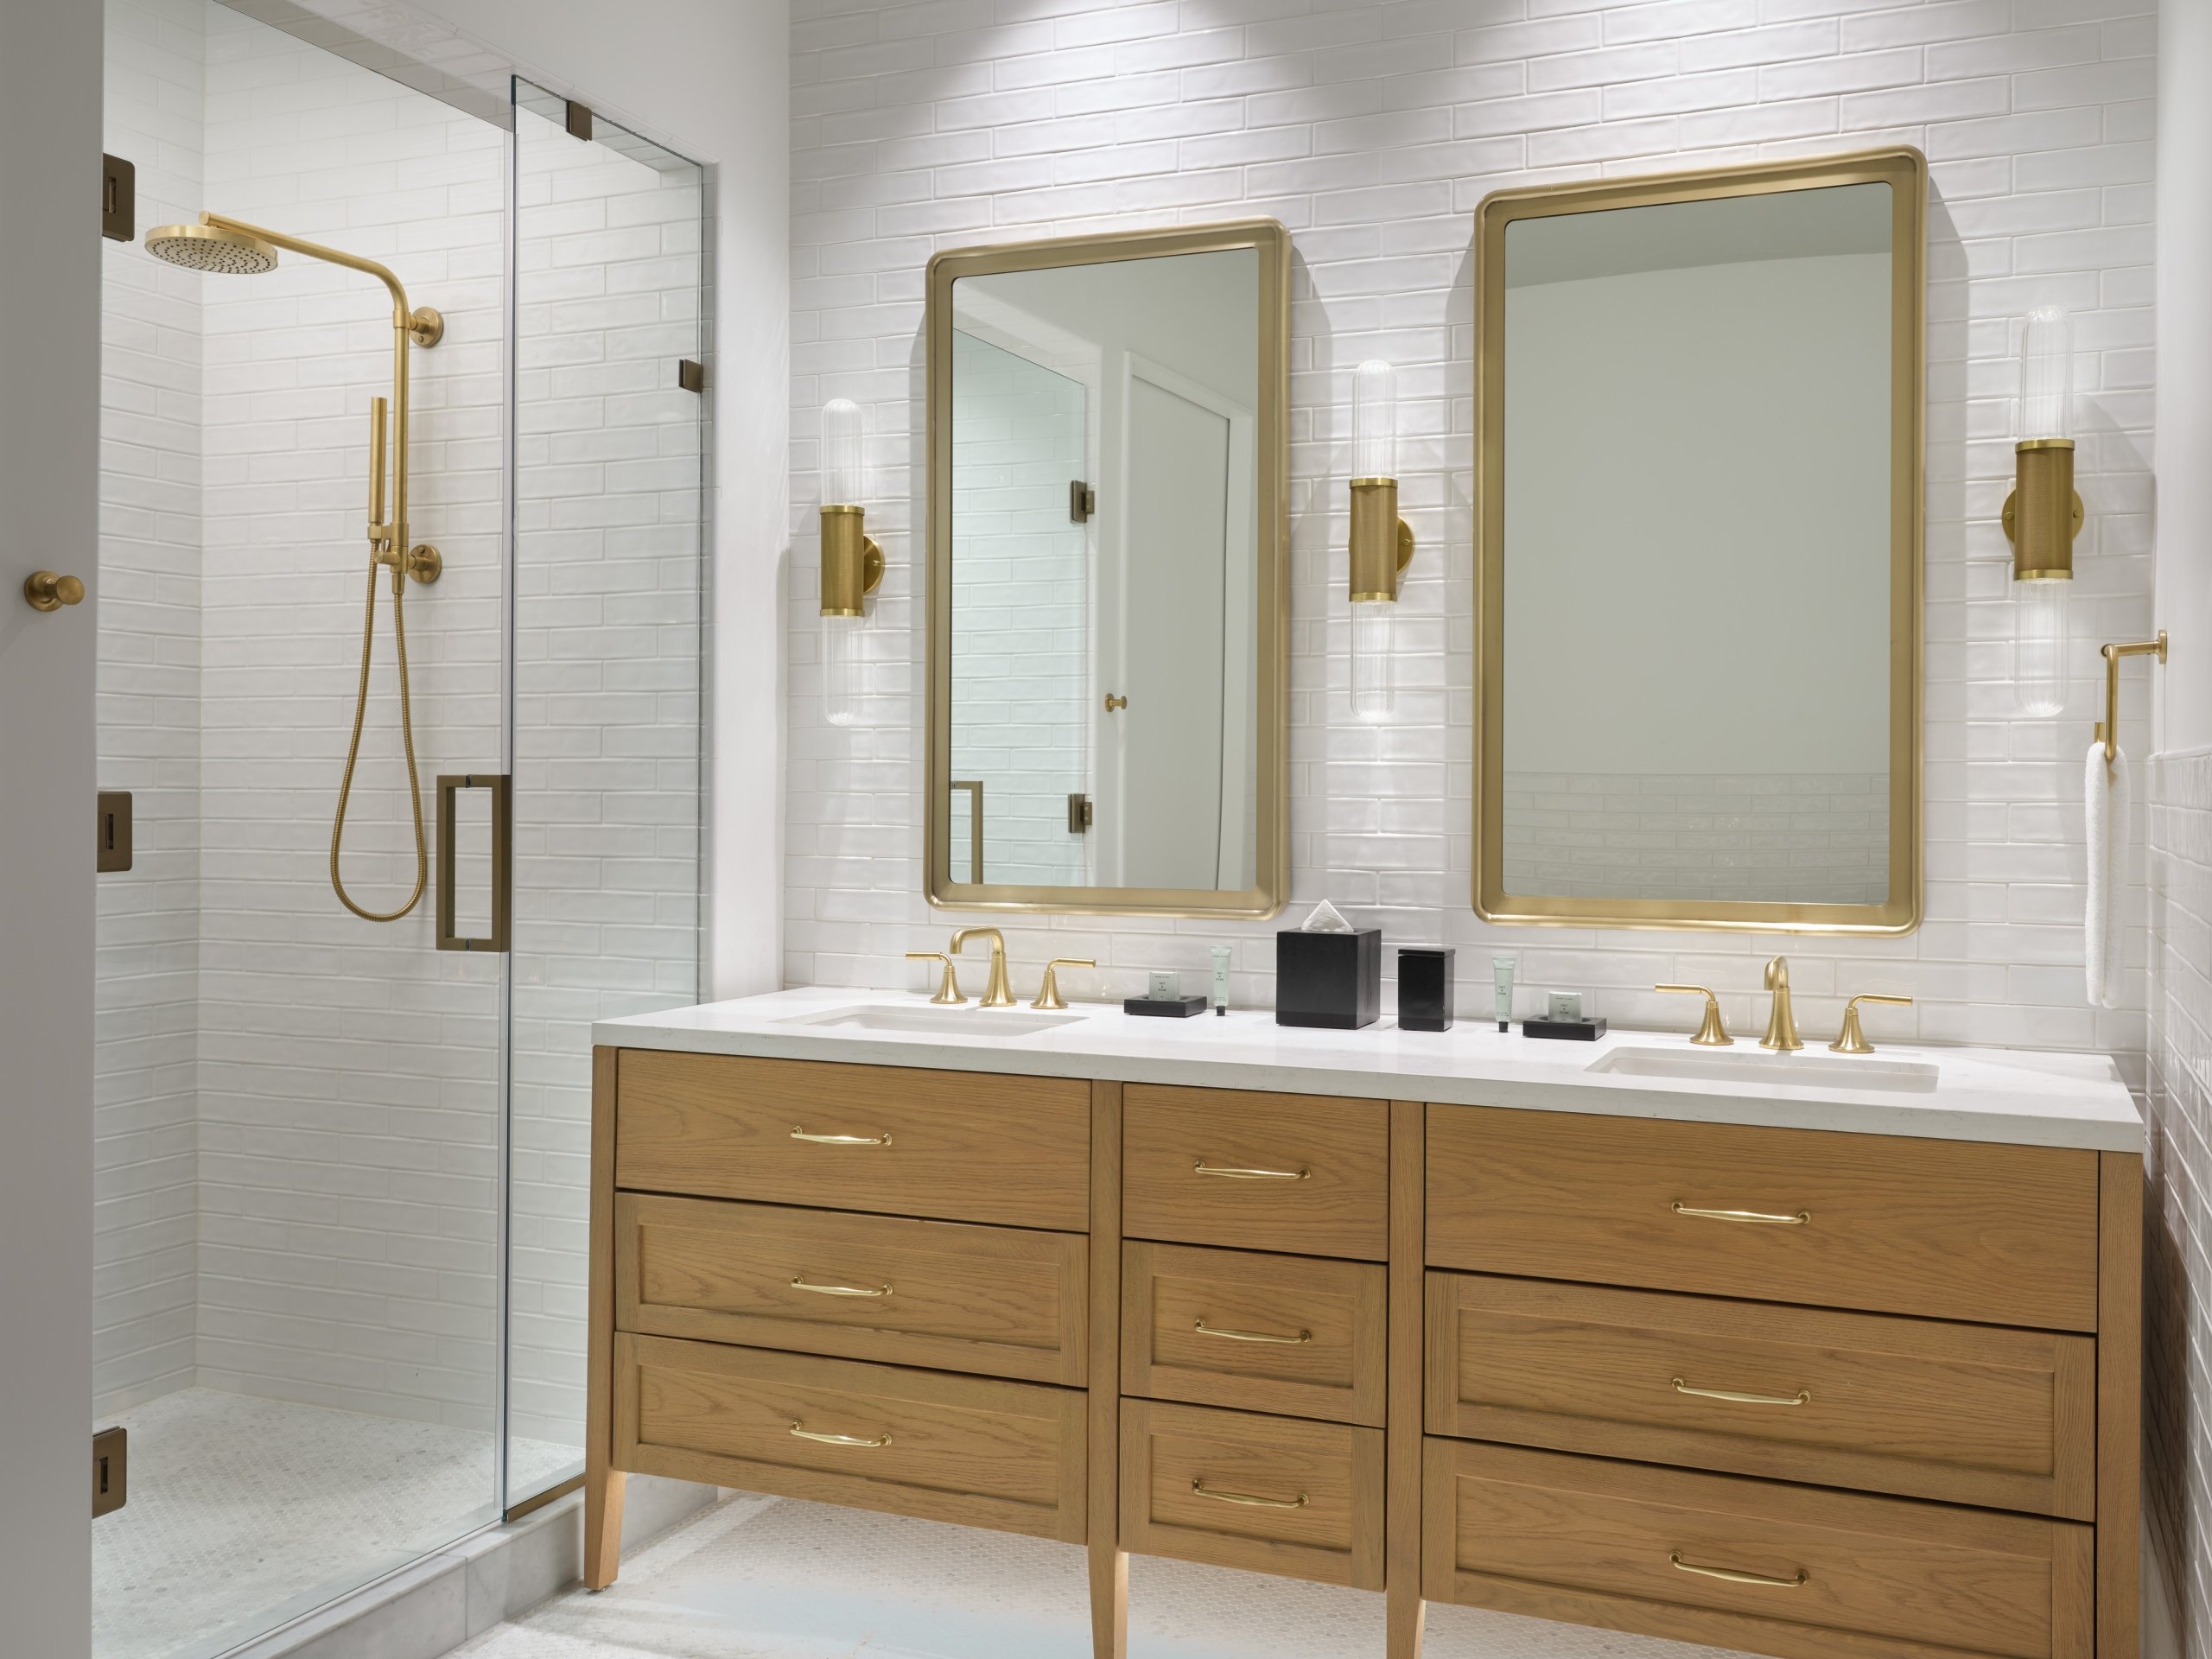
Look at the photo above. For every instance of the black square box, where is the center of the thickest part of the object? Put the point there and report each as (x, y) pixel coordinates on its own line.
(1331, 980)
(1425, 988)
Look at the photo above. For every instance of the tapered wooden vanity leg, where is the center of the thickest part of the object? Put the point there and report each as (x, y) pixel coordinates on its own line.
(603, 1483)
(1110, 1564)
(1403, 1608)
(2120, 1395)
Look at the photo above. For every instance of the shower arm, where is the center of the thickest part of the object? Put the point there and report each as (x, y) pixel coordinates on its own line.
(387, 537)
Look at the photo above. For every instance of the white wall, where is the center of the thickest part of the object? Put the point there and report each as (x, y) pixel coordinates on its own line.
(711, 79)
(1372, 131)
(49, 437)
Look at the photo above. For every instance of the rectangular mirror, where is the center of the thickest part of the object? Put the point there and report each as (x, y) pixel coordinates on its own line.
(1698, 433)
(1108, 572)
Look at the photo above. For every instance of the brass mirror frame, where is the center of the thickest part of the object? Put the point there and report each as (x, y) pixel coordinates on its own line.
(1271, 519)
(1905, 170)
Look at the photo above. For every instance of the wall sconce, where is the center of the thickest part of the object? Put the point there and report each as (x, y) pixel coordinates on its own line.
(2042, 515)
(852, 564)
(1381, 542)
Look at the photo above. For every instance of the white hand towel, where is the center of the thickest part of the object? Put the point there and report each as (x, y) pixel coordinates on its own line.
(2105, 790)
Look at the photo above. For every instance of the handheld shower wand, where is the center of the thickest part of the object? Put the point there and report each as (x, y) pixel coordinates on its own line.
(231, 247)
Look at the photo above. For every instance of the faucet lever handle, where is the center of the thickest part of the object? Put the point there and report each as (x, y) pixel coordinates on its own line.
(948, 989)
(1048, 993)
(1712, 1032)
(1852, 1040)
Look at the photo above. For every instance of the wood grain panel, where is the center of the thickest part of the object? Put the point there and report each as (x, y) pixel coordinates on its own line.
(1405, 1612)
(603, 1482)
(1306, 1337)
(1596, 1542)
(1319, 1487)
(2119, 1406)
(1009, 1456)
(1340, 1207)
(1109, 1562)
(1943, 1229)
(998, 1300)
(1965, 1413)
(962, 1145)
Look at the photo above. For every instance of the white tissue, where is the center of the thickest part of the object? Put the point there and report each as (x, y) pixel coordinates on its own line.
(1324, 919)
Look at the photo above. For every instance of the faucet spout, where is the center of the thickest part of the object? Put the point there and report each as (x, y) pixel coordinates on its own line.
(1781, 1022)
(998, 993)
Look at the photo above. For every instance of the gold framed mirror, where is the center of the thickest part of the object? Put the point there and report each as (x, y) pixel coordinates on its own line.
(1698, 442)
(1108, 573)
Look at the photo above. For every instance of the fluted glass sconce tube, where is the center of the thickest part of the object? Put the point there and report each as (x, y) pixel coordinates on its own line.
(852, 564)
(2042, 515)
(1381, 544)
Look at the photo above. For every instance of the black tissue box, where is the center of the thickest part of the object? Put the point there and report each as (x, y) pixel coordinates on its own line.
(1425, 988)
(1331, 980)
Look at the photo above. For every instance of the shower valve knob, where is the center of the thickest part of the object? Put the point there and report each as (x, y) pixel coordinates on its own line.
(45, 591)
(425, 564)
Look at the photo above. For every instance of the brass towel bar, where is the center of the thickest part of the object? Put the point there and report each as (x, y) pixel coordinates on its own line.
(2109, 728)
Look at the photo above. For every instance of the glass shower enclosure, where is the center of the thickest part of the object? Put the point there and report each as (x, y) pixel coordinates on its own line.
(342, 1163)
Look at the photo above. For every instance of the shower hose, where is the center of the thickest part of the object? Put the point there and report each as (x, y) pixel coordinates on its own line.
(407, 737)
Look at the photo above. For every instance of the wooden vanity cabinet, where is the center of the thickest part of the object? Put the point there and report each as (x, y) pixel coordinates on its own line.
(1817, 1395)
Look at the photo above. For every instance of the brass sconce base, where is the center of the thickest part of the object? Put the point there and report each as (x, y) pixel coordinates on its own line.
(1381, 542)
(2043, 514)
(852, 564)
(426, 325)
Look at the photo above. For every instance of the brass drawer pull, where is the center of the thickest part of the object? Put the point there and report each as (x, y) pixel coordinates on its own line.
(1230, 1173)
(798, 1134)
(801, 1432)
(799, 1283)
(1802, 1397)
(1729, 1576)
(1199, 1485)
(1205, 1330)
(1757, 1218)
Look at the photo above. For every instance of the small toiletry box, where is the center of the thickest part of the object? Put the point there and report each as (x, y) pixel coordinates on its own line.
(1331, 980)
(1425, 988)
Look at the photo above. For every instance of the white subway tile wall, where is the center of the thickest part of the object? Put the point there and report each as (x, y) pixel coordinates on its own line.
(1372, 131)
(2178, 1265)
(607, 619)
(145, 1112)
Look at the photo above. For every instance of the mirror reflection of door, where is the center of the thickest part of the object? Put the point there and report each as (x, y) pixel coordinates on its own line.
(1174, 611)
(1104, 703)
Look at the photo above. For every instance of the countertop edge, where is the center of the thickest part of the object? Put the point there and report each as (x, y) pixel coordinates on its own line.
(1918, 1122)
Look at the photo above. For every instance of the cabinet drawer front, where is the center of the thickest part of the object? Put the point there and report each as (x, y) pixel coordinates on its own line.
(992, 1299)
(1268, 1494)
(1009, 1456)
(1786, 1570)
(956, 1144)
(1292, 1334)
(1307, 1174)
(1942, 1228)
(1968, 1414)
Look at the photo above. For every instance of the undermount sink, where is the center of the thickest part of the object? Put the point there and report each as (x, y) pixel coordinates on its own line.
(966, 1022)
(1756, 1066)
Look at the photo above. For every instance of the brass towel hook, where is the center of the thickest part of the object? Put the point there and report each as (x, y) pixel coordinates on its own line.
(2108, 731)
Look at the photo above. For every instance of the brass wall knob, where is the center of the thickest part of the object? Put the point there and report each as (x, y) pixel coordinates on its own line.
(44, 591)
(1114, 702)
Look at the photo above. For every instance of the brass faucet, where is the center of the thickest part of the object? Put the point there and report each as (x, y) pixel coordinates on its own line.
(1781, 1024)
(948, 987)
(1852, 1038)
(1712, 1032)
(998, 993)
(1048, 993)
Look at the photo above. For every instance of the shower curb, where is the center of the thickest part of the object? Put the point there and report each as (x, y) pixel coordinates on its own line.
(430, 1607)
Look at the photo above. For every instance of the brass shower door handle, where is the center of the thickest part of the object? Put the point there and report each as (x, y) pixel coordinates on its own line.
(502, 787)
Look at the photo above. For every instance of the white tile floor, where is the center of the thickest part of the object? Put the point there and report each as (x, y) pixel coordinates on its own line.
(774, 1578)
(245, 1512)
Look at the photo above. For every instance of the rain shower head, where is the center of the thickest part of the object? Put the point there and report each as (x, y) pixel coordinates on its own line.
(212, 247)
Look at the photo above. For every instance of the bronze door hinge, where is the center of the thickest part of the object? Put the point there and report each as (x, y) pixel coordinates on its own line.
(119, 199)
(112, 847)
(1083, 501)
(110, 1470)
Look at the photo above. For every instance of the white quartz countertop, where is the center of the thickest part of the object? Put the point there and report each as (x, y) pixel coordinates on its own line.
(2022, 1096)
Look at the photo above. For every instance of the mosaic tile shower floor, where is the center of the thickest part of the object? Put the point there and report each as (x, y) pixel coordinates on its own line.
(245, 1512)
(767, 1579)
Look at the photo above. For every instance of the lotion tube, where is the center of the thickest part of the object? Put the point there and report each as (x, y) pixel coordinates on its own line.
(1501, 979)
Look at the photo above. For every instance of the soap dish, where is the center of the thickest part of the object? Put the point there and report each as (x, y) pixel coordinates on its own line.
(1573, 1030)
(1165, 1007)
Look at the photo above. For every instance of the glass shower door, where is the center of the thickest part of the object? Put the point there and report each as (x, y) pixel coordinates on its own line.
(609, 436)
